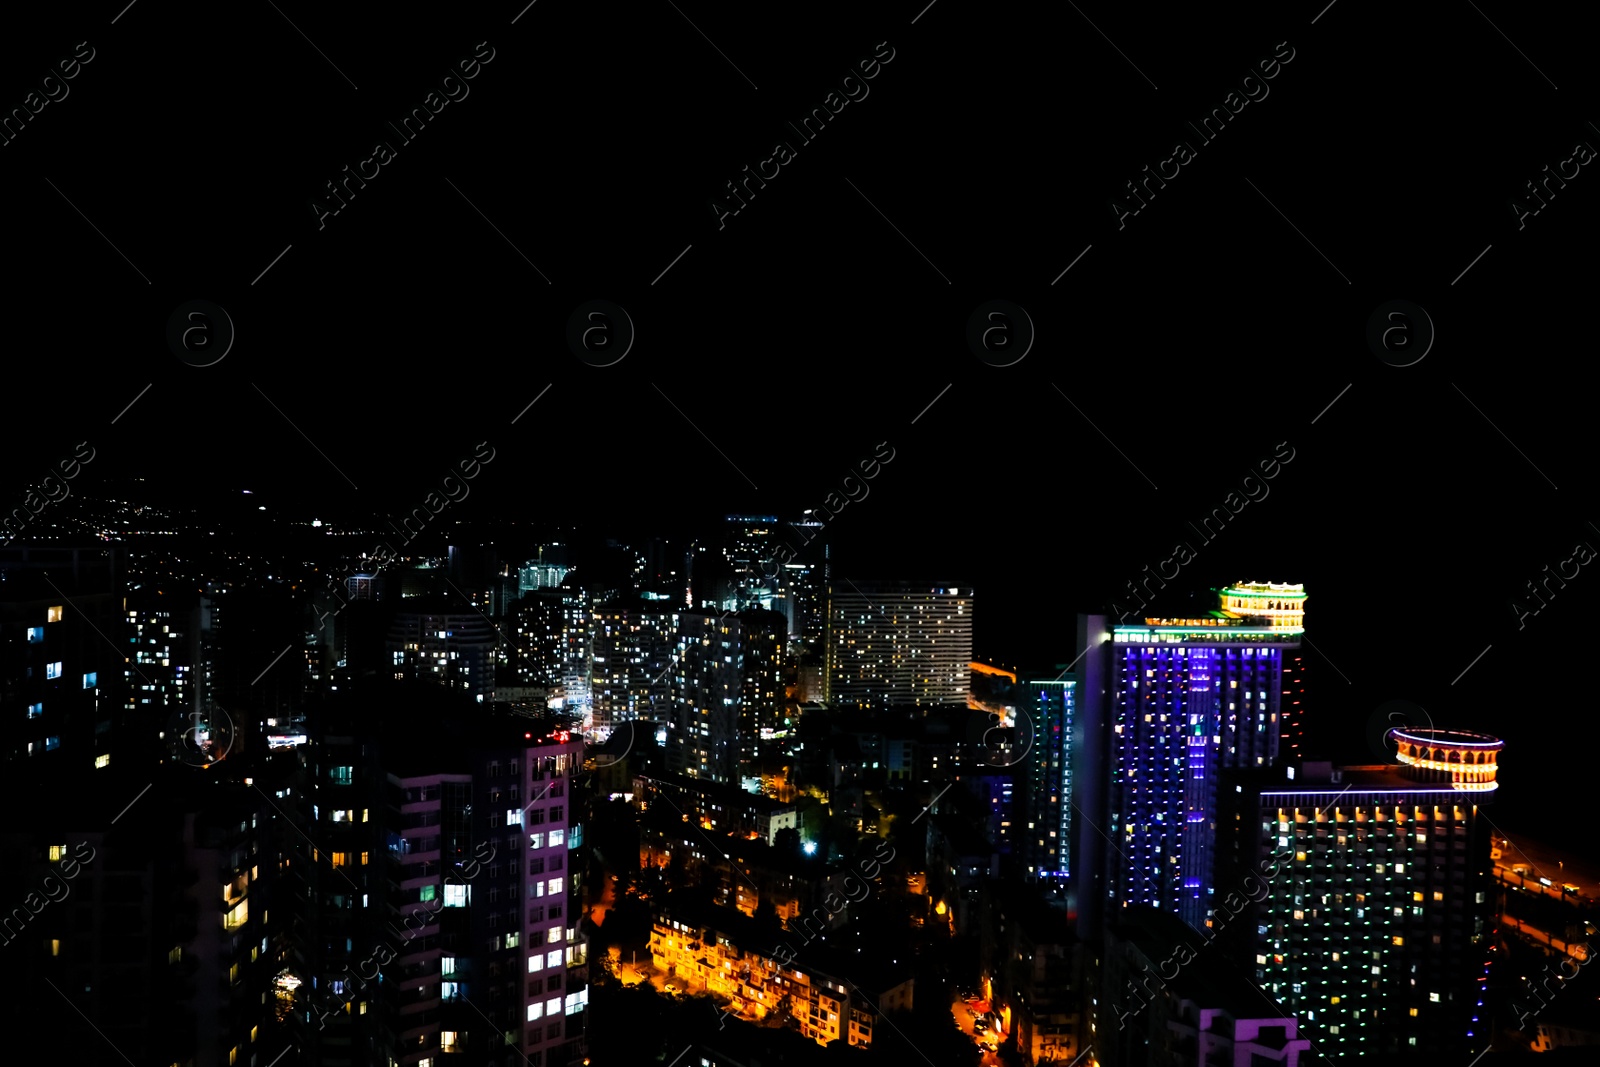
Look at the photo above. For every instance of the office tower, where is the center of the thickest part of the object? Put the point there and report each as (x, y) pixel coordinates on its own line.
(749, 551)
(1369, 917)
(1046, 705)
(726, 688)
(897, 642)
(631, 652)
(1187, 698)
(61, 701)
(444, 646)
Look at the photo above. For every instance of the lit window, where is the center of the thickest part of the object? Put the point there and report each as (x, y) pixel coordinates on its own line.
(52, 670)
(102, 760)
(455, 896)
(557, 837)
(535, 1011)
(553, 959)
(35, 710)
(35, 634)
(91, 679)
(554, 936)
(447, 1041)
(426, 894)
(53, 614)
(555, 885)
(58, 853)
(536, 840)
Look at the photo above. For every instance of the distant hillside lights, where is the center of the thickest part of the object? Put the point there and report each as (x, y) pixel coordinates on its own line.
(51, 490)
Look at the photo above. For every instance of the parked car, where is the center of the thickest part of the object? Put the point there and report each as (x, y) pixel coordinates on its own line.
(979, 1026)
(672, 989)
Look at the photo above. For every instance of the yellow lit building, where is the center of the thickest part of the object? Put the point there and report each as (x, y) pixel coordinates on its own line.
(704, 959)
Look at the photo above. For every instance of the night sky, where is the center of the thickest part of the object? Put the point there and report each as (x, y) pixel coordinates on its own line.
(1222, 325)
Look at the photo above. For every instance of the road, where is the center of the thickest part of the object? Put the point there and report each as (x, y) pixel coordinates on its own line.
(964, 1017)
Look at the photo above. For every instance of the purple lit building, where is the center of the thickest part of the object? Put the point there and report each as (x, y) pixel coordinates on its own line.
(1186, 698)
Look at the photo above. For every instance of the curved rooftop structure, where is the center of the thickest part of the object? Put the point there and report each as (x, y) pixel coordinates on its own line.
(1466, 760)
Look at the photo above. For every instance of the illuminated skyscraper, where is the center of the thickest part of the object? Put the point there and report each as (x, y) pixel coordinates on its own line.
(726, 688)
(1372, 930)
(631, 647)
(1045, 707)
(1188, 697)
(897, 642)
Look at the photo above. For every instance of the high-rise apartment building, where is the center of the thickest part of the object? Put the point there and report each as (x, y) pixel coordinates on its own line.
(158, 676)
(1186, 698)
(441, 923)
(1373, 929)
(631, 649)
(1046, 705)
(444, 646)
(726, 679)
(60, 678)
(897, 642)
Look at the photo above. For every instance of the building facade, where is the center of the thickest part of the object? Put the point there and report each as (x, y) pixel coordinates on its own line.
(896, 642)
(1374, 934)
(1187, 698)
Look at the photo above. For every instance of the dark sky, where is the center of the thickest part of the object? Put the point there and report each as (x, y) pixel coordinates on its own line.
(778, 351)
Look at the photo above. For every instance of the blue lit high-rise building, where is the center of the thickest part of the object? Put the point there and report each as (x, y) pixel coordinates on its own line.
(1186, 698)
(1045, 707)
